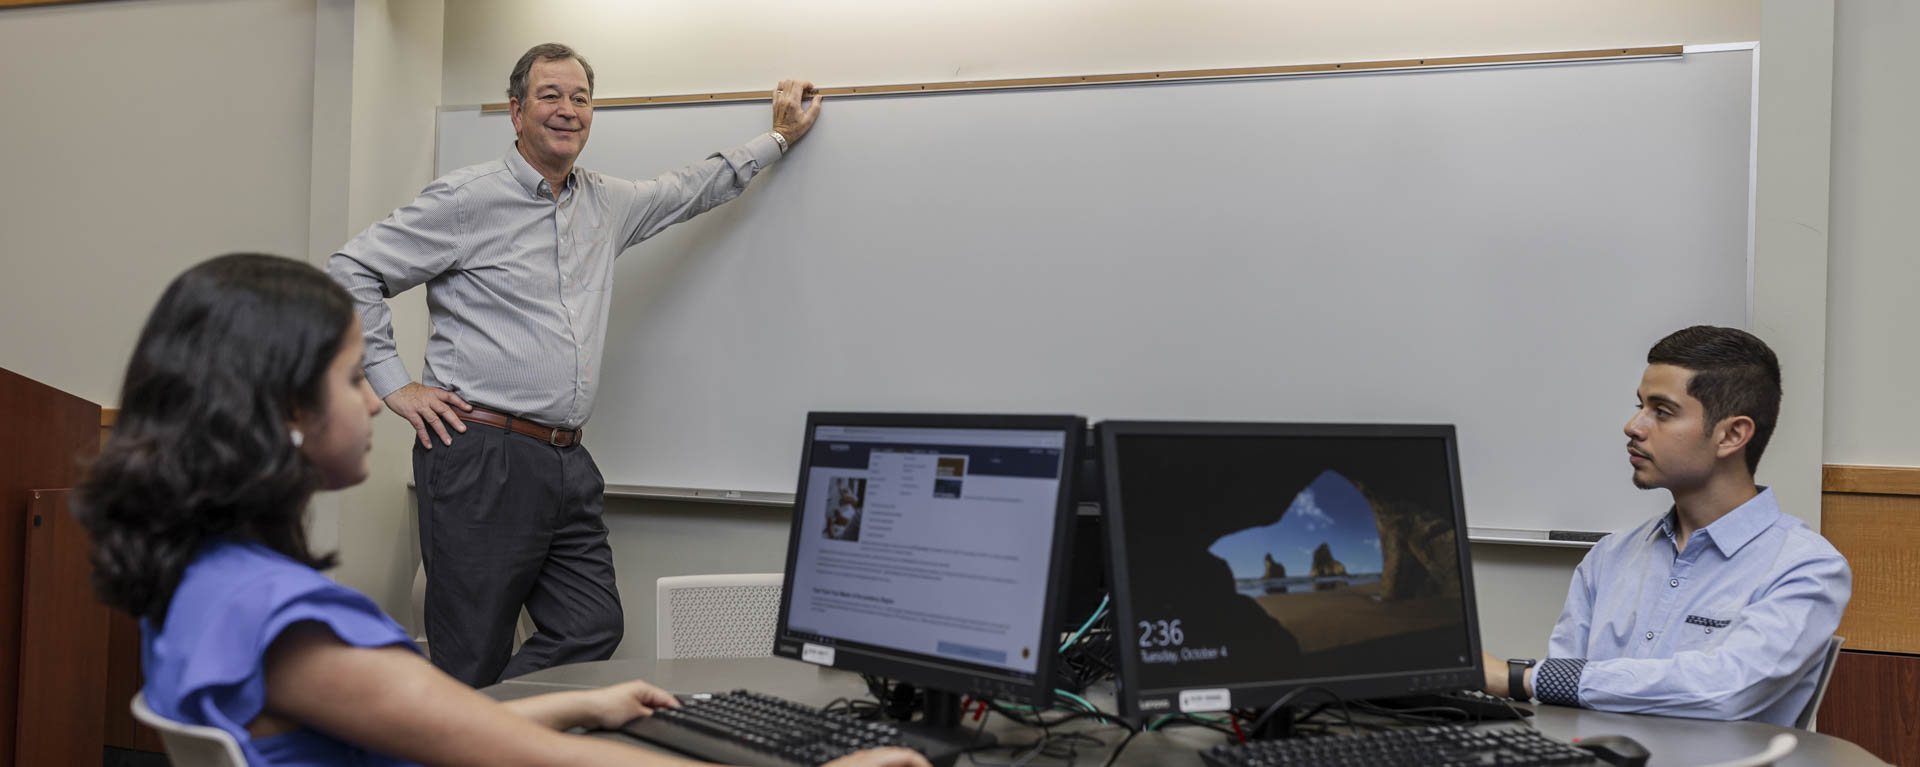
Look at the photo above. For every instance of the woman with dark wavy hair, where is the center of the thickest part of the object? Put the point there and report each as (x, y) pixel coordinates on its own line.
(244, 397)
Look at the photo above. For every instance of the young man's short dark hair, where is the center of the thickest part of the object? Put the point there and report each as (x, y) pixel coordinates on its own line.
(1734, 373)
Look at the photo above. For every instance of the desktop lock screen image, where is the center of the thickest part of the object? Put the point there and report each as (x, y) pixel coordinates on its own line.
(1270, 559)
(929, 541)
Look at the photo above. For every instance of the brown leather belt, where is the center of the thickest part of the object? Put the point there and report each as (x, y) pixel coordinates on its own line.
(547, 434)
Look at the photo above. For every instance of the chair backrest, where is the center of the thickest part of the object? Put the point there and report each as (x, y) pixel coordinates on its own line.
(716, 616)
(1805, 720)
(190, 745)
(1778, 748)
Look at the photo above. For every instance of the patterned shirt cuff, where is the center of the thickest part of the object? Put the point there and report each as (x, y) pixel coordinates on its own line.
(1557, 681)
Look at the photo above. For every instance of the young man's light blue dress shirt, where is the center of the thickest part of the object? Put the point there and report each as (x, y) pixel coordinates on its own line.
(1733, 627)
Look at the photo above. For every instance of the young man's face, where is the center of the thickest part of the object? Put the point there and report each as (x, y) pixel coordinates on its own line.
(1669, 442)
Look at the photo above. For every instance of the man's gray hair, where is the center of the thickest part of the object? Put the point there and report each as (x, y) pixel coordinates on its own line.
(517, 82)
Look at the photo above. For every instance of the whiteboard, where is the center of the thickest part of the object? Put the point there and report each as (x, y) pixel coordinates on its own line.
(1494, 248)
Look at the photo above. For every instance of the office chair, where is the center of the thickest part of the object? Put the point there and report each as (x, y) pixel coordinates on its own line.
(716, 616)
(1805, 720)
(190, 745)
(521, 629)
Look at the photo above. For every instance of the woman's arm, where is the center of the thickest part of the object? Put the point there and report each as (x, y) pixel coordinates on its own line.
(602, 708)
(391, 701)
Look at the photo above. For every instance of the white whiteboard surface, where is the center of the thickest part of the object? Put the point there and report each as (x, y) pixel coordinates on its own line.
(1494, 248)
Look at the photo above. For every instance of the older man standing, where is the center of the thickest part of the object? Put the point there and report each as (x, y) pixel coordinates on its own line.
(517, 256)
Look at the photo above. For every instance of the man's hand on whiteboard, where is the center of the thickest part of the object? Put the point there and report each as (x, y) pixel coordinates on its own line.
(792, 115)
(422, 405)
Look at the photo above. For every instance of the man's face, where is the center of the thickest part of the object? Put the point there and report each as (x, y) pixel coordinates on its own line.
(1669, 443)
(554, 120)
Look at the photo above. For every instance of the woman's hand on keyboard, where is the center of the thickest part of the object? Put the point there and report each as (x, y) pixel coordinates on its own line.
(881, 757)
(614, 705)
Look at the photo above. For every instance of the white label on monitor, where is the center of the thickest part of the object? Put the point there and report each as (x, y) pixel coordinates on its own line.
(1195, 701)
(813, 653)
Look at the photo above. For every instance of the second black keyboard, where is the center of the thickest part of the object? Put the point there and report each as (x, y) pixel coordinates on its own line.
(760, 730)
(1443, 746)
(1472, 705)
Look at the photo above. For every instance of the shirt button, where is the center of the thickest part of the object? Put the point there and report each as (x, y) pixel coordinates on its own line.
(1709, 631)
(1674, 583)
(1649, 636)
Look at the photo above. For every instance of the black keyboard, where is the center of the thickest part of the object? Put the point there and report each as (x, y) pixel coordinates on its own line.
(1443, 746)
(1474, 705)
(758, 730)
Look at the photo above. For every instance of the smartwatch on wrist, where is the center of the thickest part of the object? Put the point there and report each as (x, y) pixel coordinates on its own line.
(1517, 677)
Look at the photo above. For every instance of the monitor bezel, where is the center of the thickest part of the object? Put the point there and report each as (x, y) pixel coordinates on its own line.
(924, 671)
(1262, 693)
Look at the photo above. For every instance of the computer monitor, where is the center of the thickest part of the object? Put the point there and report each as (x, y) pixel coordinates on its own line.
(1253, 560)
(930, 549)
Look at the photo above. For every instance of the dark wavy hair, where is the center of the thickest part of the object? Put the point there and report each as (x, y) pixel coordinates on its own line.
(201, 449)
(1734, 373)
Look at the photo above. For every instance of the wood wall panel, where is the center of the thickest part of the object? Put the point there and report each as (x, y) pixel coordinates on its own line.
(1875, 480)
(1872, 515)
(1880, 536)
(123, 680)
(23, 3)
(1874, 701)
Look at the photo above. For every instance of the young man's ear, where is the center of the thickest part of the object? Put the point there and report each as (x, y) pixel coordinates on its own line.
(1732, 434)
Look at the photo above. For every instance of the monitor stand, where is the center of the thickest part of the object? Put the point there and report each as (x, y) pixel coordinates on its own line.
(1278, 727)
(939, 732)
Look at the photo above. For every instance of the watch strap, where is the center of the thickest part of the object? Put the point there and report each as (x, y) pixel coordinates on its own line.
(1517, 677)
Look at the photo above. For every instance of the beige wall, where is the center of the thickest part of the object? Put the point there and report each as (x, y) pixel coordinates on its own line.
(139, 139)
(148, 135)
(380, 151)
(1873, 271)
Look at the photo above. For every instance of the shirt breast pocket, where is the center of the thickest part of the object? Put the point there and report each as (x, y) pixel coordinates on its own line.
(1705, 629)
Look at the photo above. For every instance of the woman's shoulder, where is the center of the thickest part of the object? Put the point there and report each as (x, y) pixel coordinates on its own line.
(243, 573)
(235, 599)
(245, 593)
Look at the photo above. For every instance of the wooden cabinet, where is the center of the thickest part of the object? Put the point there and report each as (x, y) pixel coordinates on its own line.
(52, 631)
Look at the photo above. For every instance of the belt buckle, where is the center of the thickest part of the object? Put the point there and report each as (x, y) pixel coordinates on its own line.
(553, 438)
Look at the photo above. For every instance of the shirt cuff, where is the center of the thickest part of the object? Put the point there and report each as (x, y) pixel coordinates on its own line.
(1557, 681)
(764, 150)
(388, 375)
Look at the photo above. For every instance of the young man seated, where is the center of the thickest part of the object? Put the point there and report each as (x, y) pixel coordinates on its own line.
(1720, 608)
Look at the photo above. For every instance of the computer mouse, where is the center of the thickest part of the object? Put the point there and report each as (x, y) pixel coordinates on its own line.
(1614, 749)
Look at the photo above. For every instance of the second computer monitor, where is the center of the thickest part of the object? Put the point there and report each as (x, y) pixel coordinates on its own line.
(1251, 560)
(931, 549)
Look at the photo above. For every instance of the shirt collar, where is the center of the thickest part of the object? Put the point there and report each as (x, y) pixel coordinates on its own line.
(523, 172)
(1734, 531)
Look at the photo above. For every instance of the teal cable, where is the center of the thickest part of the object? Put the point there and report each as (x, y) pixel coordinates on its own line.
(1075, 637)
(1076, 699)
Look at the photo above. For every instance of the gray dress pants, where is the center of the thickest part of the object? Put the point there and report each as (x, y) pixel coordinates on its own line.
(508, 520)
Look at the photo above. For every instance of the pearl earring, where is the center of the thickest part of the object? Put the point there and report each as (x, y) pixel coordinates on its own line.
(297, 437)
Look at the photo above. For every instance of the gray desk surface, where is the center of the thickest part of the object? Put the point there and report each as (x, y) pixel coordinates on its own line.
(1674, 742)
